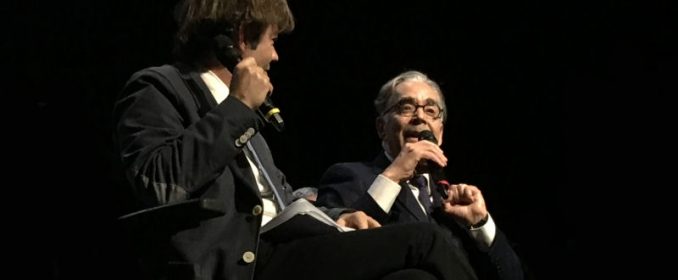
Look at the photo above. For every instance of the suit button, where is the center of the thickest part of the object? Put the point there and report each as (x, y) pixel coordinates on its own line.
(250, 132)
(256, 211)
(248, 257)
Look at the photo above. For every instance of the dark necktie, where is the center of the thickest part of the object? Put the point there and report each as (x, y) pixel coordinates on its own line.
(421, 183)
(263, 172)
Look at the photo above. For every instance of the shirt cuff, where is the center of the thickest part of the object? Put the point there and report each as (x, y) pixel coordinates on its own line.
(384, 192)
(485, 234)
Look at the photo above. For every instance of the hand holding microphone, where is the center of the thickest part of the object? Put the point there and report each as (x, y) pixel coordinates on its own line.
(248, 77)
(250, 84)
(413, 158)
(436, 172)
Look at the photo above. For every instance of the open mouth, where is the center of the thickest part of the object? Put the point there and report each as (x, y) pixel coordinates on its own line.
(411, 136)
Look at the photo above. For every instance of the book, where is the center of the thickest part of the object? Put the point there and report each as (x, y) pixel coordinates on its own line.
(302, 209)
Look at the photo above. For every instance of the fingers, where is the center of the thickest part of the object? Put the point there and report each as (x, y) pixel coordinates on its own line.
(250, 83)
(357, 220)
(463, 193)
(372, 223)
(438, 152)
(363, 221)
(411, 154)
(430, 151)
(245, 63)
(465, 203)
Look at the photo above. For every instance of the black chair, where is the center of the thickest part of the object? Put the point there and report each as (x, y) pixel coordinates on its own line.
(148, 233)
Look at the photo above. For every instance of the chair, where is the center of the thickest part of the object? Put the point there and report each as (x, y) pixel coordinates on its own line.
(148, 232)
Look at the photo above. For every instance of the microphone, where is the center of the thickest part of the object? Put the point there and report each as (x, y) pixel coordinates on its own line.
(271, 114)
(229, 56)
(436, 172)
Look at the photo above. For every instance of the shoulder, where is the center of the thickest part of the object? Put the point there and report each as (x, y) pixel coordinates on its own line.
(348, 169)
(158, 73)
(165, 80)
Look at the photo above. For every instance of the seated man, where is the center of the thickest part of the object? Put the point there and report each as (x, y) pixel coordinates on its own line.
(386, 188)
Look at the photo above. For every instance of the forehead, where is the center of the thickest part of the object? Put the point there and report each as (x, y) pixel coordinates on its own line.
(417, 90)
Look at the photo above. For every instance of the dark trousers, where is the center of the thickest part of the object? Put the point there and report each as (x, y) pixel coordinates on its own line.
(404, 251)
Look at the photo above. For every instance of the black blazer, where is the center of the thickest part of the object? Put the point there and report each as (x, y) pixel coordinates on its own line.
(177, 143)
(346, 185)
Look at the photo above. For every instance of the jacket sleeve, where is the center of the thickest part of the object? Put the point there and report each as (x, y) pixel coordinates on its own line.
(504, 260)
(341, 186)
(498, 262)
(170, 152)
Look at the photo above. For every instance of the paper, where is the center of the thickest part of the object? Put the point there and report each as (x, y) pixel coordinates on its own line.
(302, 207)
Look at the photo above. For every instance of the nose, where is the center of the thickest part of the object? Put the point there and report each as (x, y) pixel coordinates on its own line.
(418, 117)
(275, 55)
(420, 113)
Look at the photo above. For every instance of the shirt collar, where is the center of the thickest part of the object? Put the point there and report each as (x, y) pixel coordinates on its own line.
(216, 86)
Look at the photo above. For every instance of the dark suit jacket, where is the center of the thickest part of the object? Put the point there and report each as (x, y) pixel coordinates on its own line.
(177, 143)
(346, 185)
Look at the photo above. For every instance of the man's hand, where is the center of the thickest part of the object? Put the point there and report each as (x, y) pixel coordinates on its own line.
(465, 203)
(405, 164)
(250, 83)
(357, 220)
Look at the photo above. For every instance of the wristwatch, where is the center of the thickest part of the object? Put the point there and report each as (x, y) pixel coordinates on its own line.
(480, 223)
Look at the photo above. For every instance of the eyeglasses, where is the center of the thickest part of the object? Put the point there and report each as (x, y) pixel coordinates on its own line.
(408, 108)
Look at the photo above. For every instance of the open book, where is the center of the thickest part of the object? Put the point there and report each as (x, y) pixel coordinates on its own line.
(302, 207)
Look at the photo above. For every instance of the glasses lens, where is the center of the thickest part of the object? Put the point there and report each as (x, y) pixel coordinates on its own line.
(432, 111)
(408, 108)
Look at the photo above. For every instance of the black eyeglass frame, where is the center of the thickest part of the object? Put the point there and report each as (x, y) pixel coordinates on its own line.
(398, 110)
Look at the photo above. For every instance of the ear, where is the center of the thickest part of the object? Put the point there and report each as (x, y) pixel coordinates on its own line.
(241, 40)
(379, 124)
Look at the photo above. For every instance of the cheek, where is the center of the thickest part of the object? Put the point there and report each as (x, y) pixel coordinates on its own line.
(395, 131)
(393, 128)
(266, 51)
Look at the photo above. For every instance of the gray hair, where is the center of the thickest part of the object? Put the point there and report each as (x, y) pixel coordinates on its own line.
(385, 100)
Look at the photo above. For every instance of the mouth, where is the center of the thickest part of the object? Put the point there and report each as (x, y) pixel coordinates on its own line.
(411, 136)
(411, 139)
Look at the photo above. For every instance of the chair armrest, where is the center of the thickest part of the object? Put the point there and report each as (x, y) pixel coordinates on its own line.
(172, 217)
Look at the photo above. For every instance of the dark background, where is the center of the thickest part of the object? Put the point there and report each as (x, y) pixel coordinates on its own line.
(542, 96)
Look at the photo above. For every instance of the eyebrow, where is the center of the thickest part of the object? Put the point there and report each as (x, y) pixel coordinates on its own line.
(429, 101)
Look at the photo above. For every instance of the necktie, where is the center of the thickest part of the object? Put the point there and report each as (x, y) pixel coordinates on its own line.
(421, 183)
(261, 168)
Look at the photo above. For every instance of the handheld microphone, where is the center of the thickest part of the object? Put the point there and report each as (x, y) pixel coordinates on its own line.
(271, 114)
(436, 172)
(229, 56)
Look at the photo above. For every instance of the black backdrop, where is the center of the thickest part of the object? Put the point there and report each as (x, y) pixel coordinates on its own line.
(518, 76)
